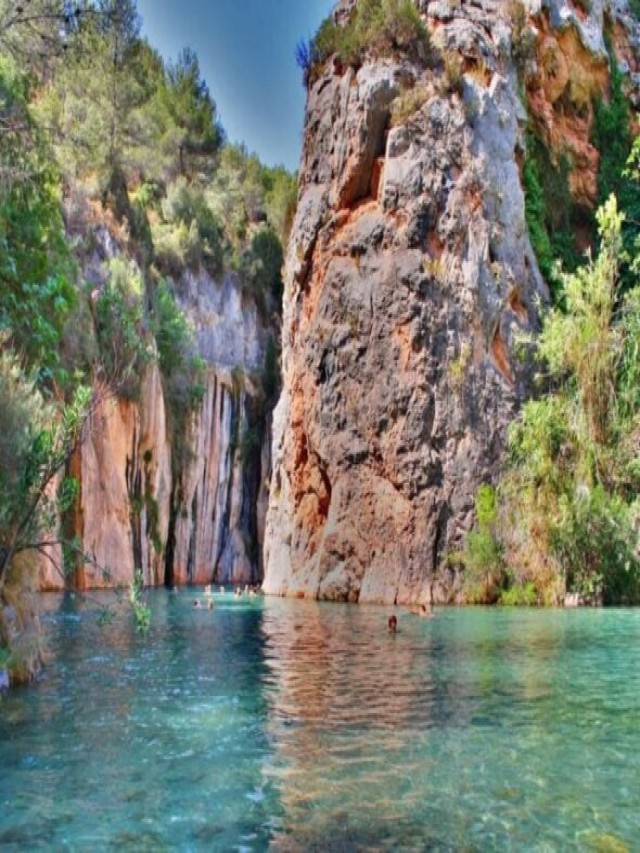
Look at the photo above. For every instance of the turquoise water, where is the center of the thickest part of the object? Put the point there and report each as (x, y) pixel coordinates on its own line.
(288, 725)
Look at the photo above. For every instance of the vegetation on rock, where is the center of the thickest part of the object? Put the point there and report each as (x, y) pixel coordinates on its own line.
(569, 498)
(375, 27)
(116, 183)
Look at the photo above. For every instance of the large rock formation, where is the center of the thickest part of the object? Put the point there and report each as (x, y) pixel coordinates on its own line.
(195, 519)
(409, 277)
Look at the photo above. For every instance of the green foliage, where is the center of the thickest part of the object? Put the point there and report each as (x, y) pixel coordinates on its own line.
(94, 103)
(612, 136)
(519, 595)
(596, 543)
(183, 372)
(121, 334)
(280, 199)
(572, 484)
(261, 267)
(36, 269)
(190, 236)
(535, 212)
(36, 440)
(141, 610)
(379, 27)
(549, 212)
(482, 555)
(191, 126)
(523, 36)
(173, 331)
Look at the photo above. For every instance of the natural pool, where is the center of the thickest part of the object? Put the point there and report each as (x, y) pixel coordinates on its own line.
(290, 725)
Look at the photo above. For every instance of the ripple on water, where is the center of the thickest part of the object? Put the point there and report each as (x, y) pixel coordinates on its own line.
(300, 726)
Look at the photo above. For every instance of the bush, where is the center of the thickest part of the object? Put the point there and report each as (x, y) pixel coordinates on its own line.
(612, 135)
(123, 348)
(596, 546)
(482, 555)
(523, 36)
(519, 595)
(408, 103)
(181, 368)
(549, 211)
(261, 267)
(572, 484)
(194, 237)
(382, 27)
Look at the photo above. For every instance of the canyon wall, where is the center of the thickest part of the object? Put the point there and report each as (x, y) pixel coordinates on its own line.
(196, 519)
(410, 281)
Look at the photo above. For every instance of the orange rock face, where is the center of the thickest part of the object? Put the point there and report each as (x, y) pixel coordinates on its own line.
(409, 276)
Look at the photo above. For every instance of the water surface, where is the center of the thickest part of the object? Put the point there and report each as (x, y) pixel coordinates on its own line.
(288, 725)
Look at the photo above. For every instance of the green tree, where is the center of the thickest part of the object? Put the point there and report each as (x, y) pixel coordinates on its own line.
(36, 268)
(95, 101)
(36, 33)
(572, 487)
(37, 439)
(195, 132)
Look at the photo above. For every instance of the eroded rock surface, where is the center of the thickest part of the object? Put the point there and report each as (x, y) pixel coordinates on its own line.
(195, 519)
(409, 278)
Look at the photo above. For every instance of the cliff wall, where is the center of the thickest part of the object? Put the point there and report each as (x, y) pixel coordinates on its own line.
(410, 278)
(196, 518)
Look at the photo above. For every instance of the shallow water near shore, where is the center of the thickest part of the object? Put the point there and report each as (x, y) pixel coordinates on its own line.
(291, 725)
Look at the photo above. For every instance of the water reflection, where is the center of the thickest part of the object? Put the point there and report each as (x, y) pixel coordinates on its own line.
(299, 726)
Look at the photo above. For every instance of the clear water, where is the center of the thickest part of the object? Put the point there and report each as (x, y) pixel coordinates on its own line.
(288, 725)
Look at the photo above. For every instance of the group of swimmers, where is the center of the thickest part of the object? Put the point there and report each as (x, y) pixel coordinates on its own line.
(251, 591)
(238, 592)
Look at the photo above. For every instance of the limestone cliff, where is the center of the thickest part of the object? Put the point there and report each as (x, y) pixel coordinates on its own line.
(195, 519)
(409, 277)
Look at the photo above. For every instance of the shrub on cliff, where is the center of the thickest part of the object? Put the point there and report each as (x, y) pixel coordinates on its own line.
(121, 333)
(482, 556)
(571, 489)
(190, 235)
(379, 27)
(182, 370)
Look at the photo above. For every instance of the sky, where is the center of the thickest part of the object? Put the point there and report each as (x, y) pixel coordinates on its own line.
(246, 50)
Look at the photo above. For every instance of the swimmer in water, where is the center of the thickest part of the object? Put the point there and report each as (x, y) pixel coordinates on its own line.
(196, 603)
(393, 623)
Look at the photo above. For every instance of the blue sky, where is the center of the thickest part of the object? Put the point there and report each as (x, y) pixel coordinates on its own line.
(246, 50)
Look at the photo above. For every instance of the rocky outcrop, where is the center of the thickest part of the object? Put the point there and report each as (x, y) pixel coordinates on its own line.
(187, 507)
(409, 279)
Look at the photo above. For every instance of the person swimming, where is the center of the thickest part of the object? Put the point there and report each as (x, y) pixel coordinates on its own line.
(422, 611)
(393, 623)
(197, 604)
